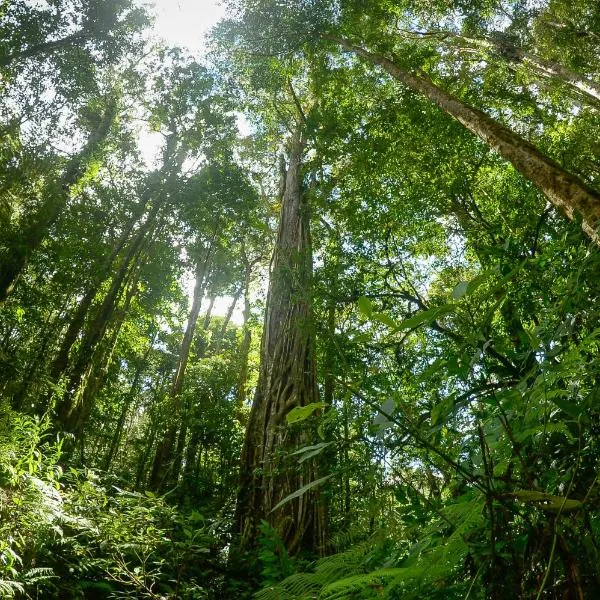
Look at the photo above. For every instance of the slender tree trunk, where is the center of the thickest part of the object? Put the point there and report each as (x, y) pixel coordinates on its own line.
(60, 362)
(128, 401)
(552, 69)
(98, 326)
(542, 66)
(223, 331)
(287, 379)
(162, 468)
(182, 436)
(244, 351)
(567, 192)
(35, 227)
(92, 381)
(140, 476)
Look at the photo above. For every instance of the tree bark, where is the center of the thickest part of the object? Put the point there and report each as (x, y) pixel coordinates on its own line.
(244, 351)
(567, 192)
(287, 379)
(163, 467)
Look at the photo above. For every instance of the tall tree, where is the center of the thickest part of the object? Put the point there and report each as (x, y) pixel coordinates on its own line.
(287, 379)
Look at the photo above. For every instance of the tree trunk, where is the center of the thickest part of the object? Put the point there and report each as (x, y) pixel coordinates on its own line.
(162, 469)
(244, 351)
(35, 227)
(223, 331)
(99, 324)
(542, 66)
(567, 192)
(60, 362)
(97, 369)
(127, 402)
(287, 379)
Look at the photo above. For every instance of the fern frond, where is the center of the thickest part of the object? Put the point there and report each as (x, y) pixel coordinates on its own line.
(8, 588)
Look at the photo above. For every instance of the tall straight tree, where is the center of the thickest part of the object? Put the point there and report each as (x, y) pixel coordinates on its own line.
(287, 379)
(292, 24)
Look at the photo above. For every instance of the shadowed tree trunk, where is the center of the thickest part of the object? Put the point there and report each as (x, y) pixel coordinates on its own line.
(567, 192)
(162, 467)
(34, 228)
(61, 360)
(244, 351)
(287, 379)
(92, 380)
(97, 327)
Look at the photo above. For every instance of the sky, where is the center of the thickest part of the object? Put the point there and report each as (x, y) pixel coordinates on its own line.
(184, 23)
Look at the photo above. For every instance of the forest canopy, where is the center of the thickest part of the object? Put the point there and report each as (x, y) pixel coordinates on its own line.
(314, 314)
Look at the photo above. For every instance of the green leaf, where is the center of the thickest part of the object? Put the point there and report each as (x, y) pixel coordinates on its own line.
(300, 492)
(310, 451)
(426, 316)
(365, 306)
(460, 290)
(303, 412)
(570, 408)
(547, 502)
(385, 319)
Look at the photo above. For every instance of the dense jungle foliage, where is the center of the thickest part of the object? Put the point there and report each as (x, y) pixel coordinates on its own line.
(337, 338)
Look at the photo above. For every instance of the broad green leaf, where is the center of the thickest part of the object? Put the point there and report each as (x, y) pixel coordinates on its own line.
(299, 413)
(460, 290)
(385, 319)
(570, 408)
(310, 451)
(426, 316)
(365, 306)
(300, 492)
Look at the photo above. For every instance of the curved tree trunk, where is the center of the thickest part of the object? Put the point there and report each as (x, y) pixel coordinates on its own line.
(567, 192)
(287, 379)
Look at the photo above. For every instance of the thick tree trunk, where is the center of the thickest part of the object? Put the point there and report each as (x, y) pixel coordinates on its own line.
(287, 379)
(567, 192)
(35, 227)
